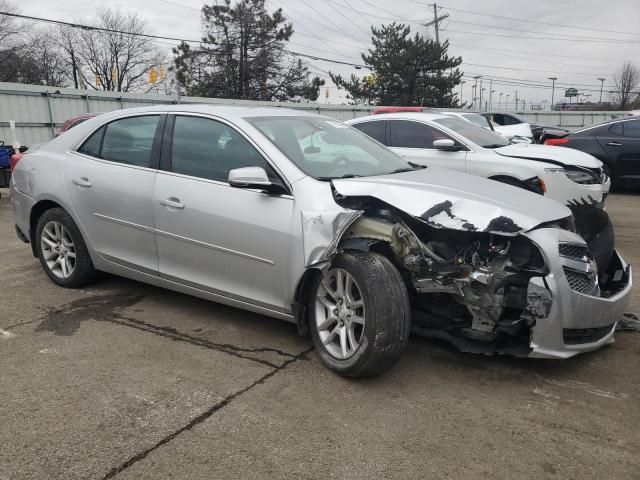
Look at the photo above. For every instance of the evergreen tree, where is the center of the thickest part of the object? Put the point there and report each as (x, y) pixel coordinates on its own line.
(243, 56)
(406, 70)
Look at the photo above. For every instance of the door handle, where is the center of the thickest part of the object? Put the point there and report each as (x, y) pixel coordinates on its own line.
(172, 202)
(614, 144)
(81, 182)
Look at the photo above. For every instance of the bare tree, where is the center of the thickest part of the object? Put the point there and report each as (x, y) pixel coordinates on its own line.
(626, 81)
(119, 59)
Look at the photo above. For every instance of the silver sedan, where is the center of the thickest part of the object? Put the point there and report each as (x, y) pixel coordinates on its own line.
(300, 217)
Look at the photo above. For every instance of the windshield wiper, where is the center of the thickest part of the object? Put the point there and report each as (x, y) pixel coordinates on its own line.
(494, 145)
(414, 166)
(348, 175)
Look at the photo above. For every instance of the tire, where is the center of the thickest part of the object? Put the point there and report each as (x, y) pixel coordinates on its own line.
(384, 333)
(79, 270)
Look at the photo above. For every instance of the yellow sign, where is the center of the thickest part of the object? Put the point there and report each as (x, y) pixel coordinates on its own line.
(153, 75)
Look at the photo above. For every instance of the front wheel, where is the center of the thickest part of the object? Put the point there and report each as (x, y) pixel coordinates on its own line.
(360, 315)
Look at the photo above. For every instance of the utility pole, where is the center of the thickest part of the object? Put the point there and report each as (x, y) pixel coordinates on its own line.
(461, 84)
(481, 94)
(475, 89)
(436, 21)
(516, 100)
(490, 92)
(553, 88)
(601, 86)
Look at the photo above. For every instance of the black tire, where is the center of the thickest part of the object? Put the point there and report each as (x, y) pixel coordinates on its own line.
(83, 271)
(387, 315)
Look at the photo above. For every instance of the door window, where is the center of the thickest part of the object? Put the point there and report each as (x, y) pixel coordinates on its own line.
(209, 149)
(376, 130)
(91, 146)
(632, 129)
(617, 128)
(407, 134)
(130, 140)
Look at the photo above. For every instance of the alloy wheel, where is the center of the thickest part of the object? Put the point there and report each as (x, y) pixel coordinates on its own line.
(58, 249)
(340, 315)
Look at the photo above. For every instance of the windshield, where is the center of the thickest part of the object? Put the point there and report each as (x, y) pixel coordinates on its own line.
(325, 148)
(478, 120)
(478, 135)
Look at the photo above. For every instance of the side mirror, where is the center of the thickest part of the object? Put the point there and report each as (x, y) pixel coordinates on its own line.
(255, 178)
(444, 144)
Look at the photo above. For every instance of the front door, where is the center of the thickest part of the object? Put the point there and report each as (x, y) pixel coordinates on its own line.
(110, 181)
(414, 142)
(225, 240)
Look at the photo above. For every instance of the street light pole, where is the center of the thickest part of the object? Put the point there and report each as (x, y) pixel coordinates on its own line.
(601, 86)
(475, 90)
(461, 84)
(553, 88)
(491, 92)
(506, 104)
(499, 100)
(481, 89)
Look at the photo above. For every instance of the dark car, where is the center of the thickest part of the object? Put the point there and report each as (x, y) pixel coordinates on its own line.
(616, 143)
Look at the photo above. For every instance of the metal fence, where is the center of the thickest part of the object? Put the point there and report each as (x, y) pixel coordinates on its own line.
(40, 111)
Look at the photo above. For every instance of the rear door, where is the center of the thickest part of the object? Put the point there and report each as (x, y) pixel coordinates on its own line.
(630, 157)
(611, 139)
(110, 180)
(414, 142)
(228, 241)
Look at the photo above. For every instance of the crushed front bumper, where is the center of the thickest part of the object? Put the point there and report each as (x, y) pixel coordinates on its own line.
(572, 315)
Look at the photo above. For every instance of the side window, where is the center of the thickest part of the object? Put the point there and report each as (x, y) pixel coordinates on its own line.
(375, 130)
(617, 128)
(129, 140)
(498, 118)
(409, 134)
(209, 149)
(509, 120)
(91, 145)
(632, 128)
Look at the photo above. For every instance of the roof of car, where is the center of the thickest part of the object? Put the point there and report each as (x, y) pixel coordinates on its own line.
(228, 111)
(402, 116)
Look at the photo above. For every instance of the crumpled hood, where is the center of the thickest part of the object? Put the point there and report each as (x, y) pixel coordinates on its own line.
(566, 156)
(446, 199)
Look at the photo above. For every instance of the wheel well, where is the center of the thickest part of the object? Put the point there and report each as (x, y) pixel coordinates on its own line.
(507, 179)
(301, 299)
(36, 212)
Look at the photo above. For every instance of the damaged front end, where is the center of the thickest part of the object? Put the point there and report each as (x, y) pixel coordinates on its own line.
(535, 293)
(471, 288)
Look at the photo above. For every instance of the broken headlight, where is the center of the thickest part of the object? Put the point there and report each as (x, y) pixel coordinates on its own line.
(583, 177)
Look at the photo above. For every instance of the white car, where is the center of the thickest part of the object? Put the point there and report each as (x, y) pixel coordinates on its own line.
(487, 124)
(448, 142)
(510, 124)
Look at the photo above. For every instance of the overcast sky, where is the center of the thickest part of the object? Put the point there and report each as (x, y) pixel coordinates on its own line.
(603, 35)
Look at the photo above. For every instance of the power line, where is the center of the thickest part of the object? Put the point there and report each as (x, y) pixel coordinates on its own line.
(582, 28)
(329, 20)
(539, 38)
(161, 37)
(579, 37)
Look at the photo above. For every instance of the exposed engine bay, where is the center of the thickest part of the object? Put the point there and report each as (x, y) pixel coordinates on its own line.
(471, 288)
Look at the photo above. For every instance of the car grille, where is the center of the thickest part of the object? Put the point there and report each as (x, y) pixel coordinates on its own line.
(575, 336)
(580, 282)
(576, 252)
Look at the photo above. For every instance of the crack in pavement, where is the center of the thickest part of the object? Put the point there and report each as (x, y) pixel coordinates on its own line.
(66, 320)
(202, 417)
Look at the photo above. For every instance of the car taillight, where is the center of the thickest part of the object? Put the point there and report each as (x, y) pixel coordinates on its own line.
(14, 159)
(556, 141)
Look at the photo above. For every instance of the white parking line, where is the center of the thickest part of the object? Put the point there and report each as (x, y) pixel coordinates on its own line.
(6, 335)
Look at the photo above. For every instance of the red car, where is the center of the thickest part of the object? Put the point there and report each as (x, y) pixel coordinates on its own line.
(378, 110)
(77, 120)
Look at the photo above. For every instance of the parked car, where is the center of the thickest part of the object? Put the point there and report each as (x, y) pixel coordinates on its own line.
(510, 124)
(75, 121)
(485, 123)
(447, 142)
(396, 109)
(616, 143)
(245, 207)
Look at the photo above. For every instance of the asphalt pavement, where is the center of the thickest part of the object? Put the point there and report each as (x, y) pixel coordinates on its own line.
(124, 380)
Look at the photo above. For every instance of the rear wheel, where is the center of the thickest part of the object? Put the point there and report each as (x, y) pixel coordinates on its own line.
(360, 315)
(62, 251)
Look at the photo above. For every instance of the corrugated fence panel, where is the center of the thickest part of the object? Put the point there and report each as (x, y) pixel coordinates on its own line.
(38, 115)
